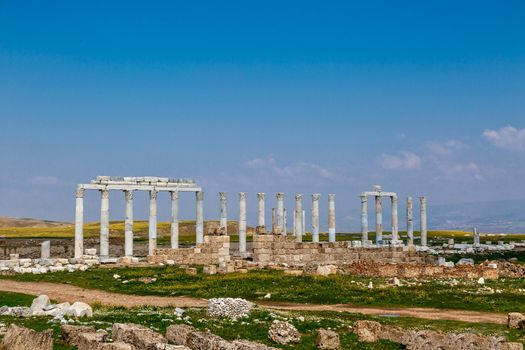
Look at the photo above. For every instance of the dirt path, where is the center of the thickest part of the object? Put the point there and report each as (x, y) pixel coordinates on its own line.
(65, 292)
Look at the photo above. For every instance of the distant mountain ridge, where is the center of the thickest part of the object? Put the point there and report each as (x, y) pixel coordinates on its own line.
(6, 221)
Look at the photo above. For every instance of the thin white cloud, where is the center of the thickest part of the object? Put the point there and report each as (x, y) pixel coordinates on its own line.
(403, 160)
(293, 170)
(444, 148)
(457, 171)
(45, 180)
(508, 138)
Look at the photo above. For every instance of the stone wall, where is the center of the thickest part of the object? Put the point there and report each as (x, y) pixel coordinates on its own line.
(371, 331)
(214, 250)
(278, 249)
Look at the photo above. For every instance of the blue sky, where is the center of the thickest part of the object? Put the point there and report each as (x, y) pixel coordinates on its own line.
(296, 96)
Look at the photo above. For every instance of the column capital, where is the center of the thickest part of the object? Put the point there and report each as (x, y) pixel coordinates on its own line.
(174, 195)
(260, 195)
(80, 192)
(199, 195)
(298, 197)
(331, 197)
(242, 195)
(409, 199)
(393, 199)
(280, 195)
(222, 196)
(423, 199)
(316, 196)
(104, 193)
(128, 194)
(153, 194)
(364, 198)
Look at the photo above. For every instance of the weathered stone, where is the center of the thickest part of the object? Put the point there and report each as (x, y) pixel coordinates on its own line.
(229, 307)
(21, 338)
(80, 309)
(179, 333)
(91, 340)
(367, 331)
(283, 333)
(327, 339)
(39, 303)
(137, 335)
(326, 270)
(514, 319)
(70, 334)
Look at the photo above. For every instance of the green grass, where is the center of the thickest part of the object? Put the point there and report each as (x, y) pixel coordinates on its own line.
(255, 327)
(438, 293)
(491, 255)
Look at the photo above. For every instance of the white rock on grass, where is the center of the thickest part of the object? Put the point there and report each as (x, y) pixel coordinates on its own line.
(39, 304)
(229, 307)
(80, 309)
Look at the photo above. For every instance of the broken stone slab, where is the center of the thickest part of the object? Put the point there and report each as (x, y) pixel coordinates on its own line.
(79, 309)
(327, 339)
(137, 335)
(229, 307)
(21, 338)
(515, 320)
(91, 340)
(70, 333)
(39, 304)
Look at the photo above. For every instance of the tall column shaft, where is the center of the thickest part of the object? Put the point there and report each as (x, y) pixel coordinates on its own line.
(285, 222)
(274, 219)
(104, 223)
(410, 220)
(379, 219)
(423, 208)
(223, 222)
(152, 242)
(303, 225)
(199, 228)
(315, 217)
(128, 224)
(395, 224)
(364, 219)
(298, 218)
(79, 223)
(242, 222)
(476, 237)
(174, 219)
(280, 212)
(260, 209)
(331, 218)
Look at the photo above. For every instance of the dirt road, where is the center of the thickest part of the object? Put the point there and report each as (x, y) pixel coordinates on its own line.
(65, 292)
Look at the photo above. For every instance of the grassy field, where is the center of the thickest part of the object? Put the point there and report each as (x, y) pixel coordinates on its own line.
(503, 295)
(255, 327)
(187, 233)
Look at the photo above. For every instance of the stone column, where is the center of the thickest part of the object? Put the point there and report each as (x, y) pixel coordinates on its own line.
(223, 222)
(379, 220)
(128, 224)
(242, 222)
(174, 219)
(315, 217)
(423, 208)
(285, 222)
(476, 238)
(274, 220)
(298, 232)
(79, 223)
(304, 222)
(199, 224)
(152, 242)
(260, 208)
(364, 219)
(45, 250)
(280, 212)
(104, 224)
(410, 221)
(395, 225)
(331, 218)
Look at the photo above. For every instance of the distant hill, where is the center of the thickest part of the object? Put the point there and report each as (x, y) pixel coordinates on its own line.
(501, 216)
(6, 221)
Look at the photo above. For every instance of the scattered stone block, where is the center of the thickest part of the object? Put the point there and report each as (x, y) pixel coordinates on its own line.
(327, 339)
(21, 338)
(70, 334)
(210, 269)
(514, 319)
(80, 309)
(39, 304)
(229, 307)
(139, 336)
(283, 333)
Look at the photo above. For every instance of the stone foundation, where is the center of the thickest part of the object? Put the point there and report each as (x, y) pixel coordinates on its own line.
(214, 250)
(277, 249)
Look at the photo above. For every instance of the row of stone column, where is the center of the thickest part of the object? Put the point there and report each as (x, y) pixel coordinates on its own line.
(395, 225)
(279, 224)
(128, 222)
